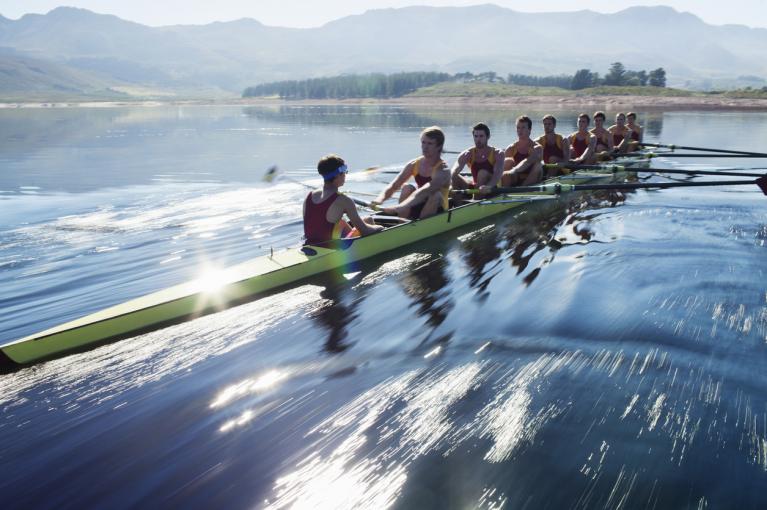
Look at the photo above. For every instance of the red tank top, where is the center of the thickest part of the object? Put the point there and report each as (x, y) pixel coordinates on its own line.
(635, 135)
(422, 180)
(317, 229)
(617, 139)
(579, 146)
(554, 149)
(486, 164)
(516, 155)
(601, 140)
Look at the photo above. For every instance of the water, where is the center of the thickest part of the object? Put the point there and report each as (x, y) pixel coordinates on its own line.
(605, 354)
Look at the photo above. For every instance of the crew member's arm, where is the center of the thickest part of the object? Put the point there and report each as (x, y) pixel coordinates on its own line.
(565, 149)
(497, 172)
(535, 156)
(460, 163)
(346, 206)
(394, 185)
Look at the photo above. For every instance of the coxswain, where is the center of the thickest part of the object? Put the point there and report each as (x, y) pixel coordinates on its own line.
(324, 208)
(484, 161)
(582, 143)
(522, 163)
(432, 181)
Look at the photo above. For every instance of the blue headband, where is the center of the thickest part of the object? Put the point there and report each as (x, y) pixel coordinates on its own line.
(332, 175)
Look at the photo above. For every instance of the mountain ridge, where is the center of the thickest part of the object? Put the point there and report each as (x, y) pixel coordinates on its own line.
(232, 55)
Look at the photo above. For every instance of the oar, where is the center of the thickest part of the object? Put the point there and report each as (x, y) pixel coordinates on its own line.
(272, 172)
(704, 149)
(650, 155)
(620, 168)
(557, 188)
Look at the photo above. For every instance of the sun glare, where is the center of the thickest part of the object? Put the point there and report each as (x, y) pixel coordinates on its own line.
(210, 281)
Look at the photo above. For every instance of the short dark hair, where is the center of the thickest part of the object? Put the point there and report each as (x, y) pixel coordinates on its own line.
(481, 126)
(551, 118)
(329, 164)
(584, 116)
(527, 120)
(600, 114)
(436, 134)
(631, 114)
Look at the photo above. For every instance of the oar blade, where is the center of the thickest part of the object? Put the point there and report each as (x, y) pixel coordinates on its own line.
(762, 183)
(271, 174)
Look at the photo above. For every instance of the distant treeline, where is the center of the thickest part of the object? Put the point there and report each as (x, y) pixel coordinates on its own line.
(617, 76)
(380, 85)
(348, 86)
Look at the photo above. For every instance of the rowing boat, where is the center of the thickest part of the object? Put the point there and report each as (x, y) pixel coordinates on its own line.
(263, 274)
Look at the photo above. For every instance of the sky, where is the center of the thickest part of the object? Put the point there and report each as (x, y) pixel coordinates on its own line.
(313, 13)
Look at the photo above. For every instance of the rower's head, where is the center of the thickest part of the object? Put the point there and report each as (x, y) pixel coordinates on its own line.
(333, 169)
(631, 118)
(583, 122)
(432, 141)
(549, 124)
(481, 134)
(620, 119)
(599, 119)
(524, 126)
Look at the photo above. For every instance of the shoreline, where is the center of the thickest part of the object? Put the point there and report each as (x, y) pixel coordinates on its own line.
(607, 102)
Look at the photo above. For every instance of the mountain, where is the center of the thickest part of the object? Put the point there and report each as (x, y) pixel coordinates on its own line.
(233, 55)
(23, 77)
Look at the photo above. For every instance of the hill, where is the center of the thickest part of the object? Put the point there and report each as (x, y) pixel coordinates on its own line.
(227, 57)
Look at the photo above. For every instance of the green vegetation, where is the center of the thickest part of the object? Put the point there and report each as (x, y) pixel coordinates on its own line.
(618, 81)
(379, 85)
(452, 89)
(479, 89)
(617, 76)
(746, 93)
(348, 86)
(607, 90)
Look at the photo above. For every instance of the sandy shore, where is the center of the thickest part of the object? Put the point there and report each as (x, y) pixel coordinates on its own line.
(606, 102)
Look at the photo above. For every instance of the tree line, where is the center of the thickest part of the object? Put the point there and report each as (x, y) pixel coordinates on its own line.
(617, 76)
(349, 86)
(381, 85)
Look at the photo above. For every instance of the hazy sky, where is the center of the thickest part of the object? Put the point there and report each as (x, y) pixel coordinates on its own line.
(310, 13)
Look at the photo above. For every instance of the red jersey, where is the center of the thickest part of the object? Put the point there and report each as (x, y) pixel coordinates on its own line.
(485, 164)
(579, 146)
(317, 229)
(554, 149)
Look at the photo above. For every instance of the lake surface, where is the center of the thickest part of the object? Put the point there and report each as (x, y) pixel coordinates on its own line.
(609, 352)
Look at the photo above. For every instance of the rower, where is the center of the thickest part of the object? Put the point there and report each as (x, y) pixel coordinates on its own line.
(636, 131)
(582, 143)
(522, 163)
(485, 162)
(324, 208)
(430, 194)
(555, 149)
(620, 134)
(604, 139)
